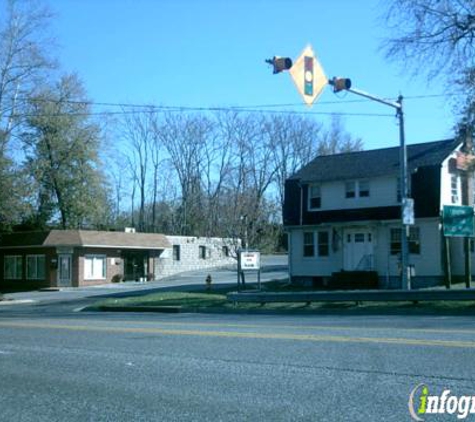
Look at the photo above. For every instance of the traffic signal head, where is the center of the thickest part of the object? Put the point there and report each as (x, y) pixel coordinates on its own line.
(339, 84)
(280, 63)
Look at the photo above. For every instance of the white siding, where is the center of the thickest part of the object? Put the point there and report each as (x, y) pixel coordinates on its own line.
(445, 185)
(383, 192)
(427, 263)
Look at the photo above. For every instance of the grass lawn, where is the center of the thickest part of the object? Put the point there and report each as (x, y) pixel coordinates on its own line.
(215, 301)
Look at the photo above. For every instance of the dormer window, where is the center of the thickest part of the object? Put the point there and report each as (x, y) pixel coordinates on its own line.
(314, 197)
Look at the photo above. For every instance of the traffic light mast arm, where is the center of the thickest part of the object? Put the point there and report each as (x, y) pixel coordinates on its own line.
(344, 84)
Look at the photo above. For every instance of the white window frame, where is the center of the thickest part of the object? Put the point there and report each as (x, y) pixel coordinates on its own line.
(321, 244)
(353, 189)
(17, 273)
(454, 188)
(38, 267)
(308, 241)
(314, 192)
(92, 275)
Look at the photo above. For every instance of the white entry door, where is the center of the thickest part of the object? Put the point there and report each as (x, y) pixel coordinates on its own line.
(358, 249)
(64, 270)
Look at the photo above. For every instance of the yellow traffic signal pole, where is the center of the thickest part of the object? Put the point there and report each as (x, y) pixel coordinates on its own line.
(340, 84)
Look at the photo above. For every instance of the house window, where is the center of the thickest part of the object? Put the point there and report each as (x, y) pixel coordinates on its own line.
(350, 189)
(202, 252)
(414, 241)
(323, 243)
(454, 188)
(363, 187)
(95, 267)
(35, 267)
(314, 197)
(357, 189)
(225, 251)
(308, 244)
(12, 267)
(176, 253)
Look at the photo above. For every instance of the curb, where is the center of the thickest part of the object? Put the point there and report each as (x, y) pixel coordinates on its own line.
(160, 309)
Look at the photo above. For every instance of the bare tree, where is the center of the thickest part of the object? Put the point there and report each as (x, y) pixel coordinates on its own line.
(436, 38)
(24, 58)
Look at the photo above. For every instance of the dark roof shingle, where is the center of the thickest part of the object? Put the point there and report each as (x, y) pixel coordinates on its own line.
(374, 163)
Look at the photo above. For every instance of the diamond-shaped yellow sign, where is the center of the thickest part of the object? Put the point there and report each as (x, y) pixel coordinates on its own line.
(308, 76)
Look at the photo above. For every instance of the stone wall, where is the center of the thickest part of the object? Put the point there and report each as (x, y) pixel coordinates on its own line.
(190, 253)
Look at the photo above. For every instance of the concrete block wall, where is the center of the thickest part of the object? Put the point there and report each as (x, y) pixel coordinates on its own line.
(190, 258)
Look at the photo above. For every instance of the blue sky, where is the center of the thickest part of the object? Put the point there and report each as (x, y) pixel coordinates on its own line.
(197, 53)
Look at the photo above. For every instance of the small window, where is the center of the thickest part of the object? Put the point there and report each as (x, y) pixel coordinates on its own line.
(454, 188)
(350, 189)
(176, 253)
(363, 188)
(35, 267)
(225, 251)
(315, 198)
(202, 252)
(359, 237)
(414, 241)
(95, 267)
(323, 243)
(13, 267)
(308, 244)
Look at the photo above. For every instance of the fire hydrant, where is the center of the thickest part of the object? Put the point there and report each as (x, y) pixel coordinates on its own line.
(208, 282)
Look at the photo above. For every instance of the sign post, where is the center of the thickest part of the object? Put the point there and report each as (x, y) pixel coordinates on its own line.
(458, 221)
(250, 261)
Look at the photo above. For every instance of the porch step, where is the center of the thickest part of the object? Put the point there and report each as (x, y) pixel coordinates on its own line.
(353, 280)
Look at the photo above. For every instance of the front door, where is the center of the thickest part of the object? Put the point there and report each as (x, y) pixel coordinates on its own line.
(358, 250)
(64, 270)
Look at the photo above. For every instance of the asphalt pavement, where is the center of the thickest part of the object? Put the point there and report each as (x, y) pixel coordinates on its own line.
(109, 367)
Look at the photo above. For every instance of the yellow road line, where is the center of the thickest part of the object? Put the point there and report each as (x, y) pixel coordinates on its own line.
(299, 327)
(248, 335)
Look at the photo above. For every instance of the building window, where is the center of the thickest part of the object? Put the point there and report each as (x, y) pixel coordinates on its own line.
(363, 188)
(176, 253)
(12, 267)
(202, 252)
(414, 241)
(35, 267)
(95, 267)
(225, 251)
(323, 243)
(350, 189)
(314, 197)
(357, 189)
(454, 188)
(308, 244)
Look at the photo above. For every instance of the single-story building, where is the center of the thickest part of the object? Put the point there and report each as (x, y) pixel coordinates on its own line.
(73, 258)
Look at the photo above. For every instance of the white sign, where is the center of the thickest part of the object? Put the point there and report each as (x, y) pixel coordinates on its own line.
(408, 211)
(250, 260)
(308, 76)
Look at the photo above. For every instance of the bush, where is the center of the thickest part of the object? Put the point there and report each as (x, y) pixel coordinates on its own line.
(117, 278)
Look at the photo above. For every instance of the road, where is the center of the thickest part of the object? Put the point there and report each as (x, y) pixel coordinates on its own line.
(60, 365)
(141, 367)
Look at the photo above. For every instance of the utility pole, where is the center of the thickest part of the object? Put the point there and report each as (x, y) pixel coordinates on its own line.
(407, 204)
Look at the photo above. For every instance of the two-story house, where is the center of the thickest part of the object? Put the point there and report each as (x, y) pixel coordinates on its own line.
(342, 214)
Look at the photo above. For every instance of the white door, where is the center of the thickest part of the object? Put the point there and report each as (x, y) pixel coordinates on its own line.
(358, 250)
(64, 270)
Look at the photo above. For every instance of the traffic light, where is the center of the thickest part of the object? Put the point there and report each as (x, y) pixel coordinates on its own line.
(280, 63)
(339, 84)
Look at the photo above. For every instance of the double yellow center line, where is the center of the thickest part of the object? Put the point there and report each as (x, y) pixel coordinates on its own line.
(319, 338)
